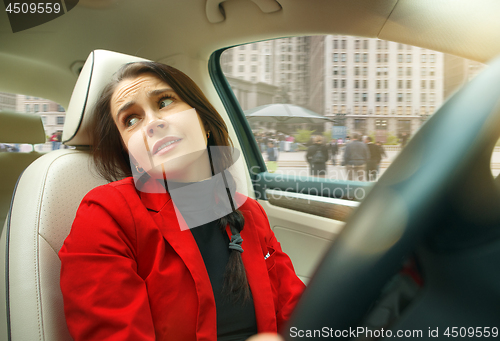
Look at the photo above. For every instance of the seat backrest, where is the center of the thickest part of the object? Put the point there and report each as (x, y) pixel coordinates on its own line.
(16, 128)
(43, 208)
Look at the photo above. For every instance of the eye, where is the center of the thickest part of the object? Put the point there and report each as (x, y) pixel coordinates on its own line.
(166, 101)
(131, 120)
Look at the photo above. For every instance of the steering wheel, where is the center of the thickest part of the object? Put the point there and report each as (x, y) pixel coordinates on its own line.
(439, 202)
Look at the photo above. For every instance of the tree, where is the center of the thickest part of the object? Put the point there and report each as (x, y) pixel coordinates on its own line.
(303, 135)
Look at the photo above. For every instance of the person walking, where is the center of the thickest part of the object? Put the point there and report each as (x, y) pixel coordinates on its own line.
(272, 157)
(265, 140)
(54, 140)
(382, 155)
(316, 156)
(258, 139)
(334, 149)
(372, 164)
(404, 139)
(355, 157)
(281, 141)
(59, 139)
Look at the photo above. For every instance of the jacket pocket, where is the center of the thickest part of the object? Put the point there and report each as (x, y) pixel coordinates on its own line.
(270, 262)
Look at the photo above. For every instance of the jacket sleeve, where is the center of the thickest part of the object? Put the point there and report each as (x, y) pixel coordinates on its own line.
(104, 297)
(288, 286)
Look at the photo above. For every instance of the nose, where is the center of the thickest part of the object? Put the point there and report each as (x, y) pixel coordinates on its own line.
(155, 126)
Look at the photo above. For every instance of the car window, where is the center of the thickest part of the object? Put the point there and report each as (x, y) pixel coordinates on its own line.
(51, 113)
(296, 91)
(339, 86)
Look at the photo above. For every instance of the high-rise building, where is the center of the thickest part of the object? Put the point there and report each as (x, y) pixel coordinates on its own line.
(458, 71)
(281, 63)
(382, 87)
(371, 86)
(316, 90)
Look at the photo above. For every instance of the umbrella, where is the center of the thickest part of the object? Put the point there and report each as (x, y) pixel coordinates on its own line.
(284, 113)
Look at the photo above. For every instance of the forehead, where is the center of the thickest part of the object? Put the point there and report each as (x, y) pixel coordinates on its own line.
(130, 88)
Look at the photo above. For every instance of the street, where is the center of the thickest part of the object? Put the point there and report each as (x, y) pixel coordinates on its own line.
(294, 164)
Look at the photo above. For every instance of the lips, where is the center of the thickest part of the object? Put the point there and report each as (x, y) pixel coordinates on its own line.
(164, 143)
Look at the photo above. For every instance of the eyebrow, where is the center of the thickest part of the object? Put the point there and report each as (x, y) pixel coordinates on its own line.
(125, 107)
(152, 93)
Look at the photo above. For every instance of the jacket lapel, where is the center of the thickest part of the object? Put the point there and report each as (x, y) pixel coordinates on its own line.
(169, 222)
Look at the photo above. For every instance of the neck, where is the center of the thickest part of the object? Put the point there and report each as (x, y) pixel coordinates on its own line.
(197, 171)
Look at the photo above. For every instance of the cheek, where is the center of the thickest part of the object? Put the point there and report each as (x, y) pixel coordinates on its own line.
(138, 150)
(202, 125)
(189, 123)
(198, 133)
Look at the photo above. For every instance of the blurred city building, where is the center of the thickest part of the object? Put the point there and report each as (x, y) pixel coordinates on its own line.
(458, 71)
(8, 101)
(371, 86)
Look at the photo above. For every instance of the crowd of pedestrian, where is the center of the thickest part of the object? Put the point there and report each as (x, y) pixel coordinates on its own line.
(361, 157)
(283, 142)
(272, 143)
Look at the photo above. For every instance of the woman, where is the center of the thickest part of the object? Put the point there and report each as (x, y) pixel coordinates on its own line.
(316, 156)
(139, 264)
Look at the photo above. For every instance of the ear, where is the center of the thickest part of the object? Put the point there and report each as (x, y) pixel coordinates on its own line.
(132, 160)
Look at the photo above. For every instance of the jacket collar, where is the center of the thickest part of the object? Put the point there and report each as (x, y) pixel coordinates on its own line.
(154, 197)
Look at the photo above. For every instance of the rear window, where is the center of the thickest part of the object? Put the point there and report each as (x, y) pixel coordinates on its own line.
(52, 115)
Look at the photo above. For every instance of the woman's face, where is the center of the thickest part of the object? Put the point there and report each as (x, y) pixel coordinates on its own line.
(162, 133)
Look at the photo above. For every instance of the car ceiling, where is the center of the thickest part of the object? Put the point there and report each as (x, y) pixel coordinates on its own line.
(39, 61)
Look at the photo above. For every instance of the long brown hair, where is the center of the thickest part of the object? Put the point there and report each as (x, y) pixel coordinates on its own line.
(113, 163)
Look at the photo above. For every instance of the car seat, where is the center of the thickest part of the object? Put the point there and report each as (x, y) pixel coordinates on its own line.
(44, 205)
(16, 128)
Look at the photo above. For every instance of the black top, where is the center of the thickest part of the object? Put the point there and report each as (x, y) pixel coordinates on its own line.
(235, 320)
(311, 150)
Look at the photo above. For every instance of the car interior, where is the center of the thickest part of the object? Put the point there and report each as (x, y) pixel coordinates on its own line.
(433, 214)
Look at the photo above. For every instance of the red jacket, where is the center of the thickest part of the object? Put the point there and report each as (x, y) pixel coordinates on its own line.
(129, 273)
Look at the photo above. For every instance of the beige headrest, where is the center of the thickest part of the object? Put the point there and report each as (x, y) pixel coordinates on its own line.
(95, 75)
(21, 128)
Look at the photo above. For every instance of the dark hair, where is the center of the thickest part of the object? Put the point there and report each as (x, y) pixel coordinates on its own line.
(369, 138)
(112, 165)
